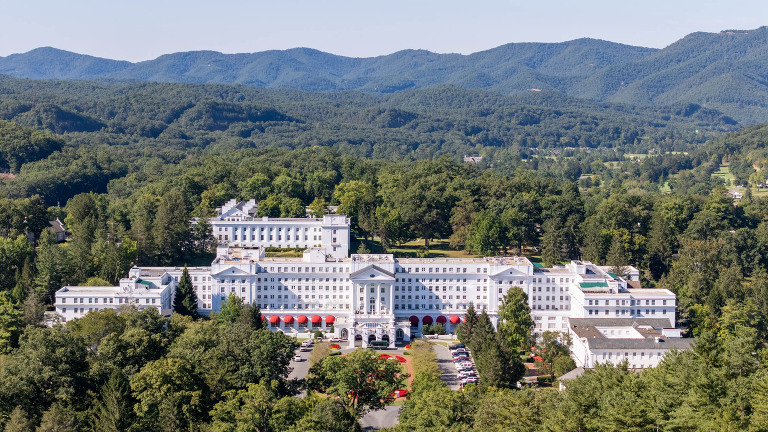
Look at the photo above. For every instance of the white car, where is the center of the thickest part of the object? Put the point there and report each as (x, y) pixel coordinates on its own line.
(297, 358)
(335, 339)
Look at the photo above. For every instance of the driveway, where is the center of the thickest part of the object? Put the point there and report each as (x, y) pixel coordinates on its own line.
(385, 418)
(301, 368)
(445, 361)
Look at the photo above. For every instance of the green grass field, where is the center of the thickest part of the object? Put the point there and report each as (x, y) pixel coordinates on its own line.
(437, 249)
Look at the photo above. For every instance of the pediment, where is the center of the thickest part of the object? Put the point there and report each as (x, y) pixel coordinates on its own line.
(372, 273)
(233, 213)
(231, 271)
(510, 272)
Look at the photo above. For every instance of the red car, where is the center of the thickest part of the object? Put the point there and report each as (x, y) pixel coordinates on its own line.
(400, 393)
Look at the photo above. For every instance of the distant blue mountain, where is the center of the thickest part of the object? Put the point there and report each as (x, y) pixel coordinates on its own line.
(726, 70)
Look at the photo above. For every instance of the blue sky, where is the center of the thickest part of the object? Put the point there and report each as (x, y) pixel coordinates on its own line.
(144, 29)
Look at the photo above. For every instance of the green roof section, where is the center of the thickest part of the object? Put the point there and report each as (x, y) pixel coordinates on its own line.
(143, 282)
(612, 275)
(593, 285)
(538, 265)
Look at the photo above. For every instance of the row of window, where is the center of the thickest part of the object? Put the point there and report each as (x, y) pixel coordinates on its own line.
(632, 302)
(270, 229)
(82, 309)
(106, 300)
(271, 238)
(267, 306)
(635, 312)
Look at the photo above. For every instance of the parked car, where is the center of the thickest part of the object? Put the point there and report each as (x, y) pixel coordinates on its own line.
(297, 358)
(400, 393)
(335, 339)
(456, 346)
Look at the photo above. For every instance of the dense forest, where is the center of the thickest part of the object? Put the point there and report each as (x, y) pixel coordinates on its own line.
(128, 166)
(117, 131)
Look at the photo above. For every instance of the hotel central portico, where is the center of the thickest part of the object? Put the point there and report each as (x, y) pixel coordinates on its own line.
(373, 300)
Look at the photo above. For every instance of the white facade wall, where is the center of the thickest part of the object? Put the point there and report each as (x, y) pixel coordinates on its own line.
(76, 301)
(420, 287)
(643, 358)
(331, 232)
(634, 303)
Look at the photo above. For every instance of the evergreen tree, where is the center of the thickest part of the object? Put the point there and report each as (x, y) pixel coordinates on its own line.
(34, 310)
(464, 332)
(11, 323)
(18, 421)
(659, 246)
(185, 299)
(617, 256)
(552, 243)
(51, 264)
(483, 333)
(363, 249)
(516, 324)
(498, 365)
(58, 419)
(114, 412)
(171, 227)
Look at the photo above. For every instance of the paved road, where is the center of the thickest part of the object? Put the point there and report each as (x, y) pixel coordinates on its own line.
(301, 368)
(385, 418)
(373, 420)
(445, 361)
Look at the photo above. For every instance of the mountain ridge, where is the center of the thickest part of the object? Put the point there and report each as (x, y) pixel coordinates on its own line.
(726, 71)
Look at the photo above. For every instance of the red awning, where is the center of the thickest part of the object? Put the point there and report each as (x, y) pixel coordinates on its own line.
(330, 319)
(316, 319)
(288, 319)
(302, 319)
(414, 320)
(427, 320)
(263, 318)
(455, 320)
(274, 319)
(442, 320)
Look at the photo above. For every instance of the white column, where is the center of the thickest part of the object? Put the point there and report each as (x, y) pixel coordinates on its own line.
(354, 297)
(391, 299)
(378, 298)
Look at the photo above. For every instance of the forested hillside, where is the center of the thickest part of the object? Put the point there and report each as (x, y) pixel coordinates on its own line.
(723, 71)
(128, 166)
(112, 130)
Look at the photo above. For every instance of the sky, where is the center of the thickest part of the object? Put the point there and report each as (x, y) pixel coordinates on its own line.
(138, 30)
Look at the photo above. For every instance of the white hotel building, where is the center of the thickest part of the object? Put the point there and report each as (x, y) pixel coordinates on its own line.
(141, 292)
(380, 297)
(641, 342)
(236, 224)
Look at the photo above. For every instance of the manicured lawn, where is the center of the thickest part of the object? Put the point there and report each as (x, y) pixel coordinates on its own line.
(285, 254)
(437, 249)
